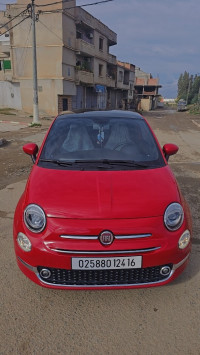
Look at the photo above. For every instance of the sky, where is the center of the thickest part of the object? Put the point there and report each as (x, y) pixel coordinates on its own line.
(162, 37)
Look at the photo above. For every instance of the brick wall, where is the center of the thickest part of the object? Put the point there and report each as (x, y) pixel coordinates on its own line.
(60, 102)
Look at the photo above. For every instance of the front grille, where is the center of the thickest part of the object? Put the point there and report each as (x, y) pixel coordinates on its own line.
(104, 277)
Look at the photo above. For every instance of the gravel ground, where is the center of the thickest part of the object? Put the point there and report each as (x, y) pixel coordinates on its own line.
(162, 320)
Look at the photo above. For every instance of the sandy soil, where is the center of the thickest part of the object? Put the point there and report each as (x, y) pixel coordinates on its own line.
(154, 321)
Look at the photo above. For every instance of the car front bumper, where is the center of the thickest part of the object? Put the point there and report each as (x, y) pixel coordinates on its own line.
(54, 249)
(103, 279)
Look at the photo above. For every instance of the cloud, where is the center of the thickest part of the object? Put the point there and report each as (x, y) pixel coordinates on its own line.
(4, 2)
(161, 37)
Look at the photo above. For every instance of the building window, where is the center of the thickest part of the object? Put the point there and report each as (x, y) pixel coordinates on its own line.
(5, 65)
(78, 34)
(100, 70)
(68, 71)
(120, 75)
(65, 104)
(100, 43)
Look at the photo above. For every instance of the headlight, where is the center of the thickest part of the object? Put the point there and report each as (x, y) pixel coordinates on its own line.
(24, 242)
(174, 216)
(184, 240)
(34, 218)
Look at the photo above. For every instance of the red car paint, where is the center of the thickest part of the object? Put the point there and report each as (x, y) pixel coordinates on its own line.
(85, 203)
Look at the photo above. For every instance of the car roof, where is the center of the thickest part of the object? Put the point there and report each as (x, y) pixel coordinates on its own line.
(104, 114)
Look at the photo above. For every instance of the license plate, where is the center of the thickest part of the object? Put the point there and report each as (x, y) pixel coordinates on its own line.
(131, 262)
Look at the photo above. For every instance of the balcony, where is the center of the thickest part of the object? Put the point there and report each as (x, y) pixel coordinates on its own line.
(85, 48)
(111, 59)
(101, 80)
(121, 85)
(110, 81)
(150, 93)
(84, 76)
(83, 17)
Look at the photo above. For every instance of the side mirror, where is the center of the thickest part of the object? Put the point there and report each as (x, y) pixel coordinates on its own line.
(170, 149)
(31, 149)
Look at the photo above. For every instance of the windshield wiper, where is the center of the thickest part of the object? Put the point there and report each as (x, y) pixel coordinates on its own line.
(100, 164)
(128, 163)
(57, 162)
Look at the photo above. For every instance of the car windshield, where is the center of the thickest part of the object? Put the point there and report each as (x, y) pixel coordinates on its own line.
(87, 142)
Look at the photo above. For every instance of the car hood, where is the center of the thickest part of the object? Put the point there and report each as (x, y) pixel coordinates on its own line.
(102, 194)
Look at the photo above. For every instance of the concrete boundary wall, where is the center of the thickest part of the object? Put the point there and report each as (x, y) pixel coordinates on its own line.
(10, 95)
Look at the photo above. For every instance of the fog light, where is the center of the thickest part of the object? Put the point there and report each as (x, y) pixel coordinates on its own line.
(165, 270)
(45, 273)
(24, 242)
(184, 240)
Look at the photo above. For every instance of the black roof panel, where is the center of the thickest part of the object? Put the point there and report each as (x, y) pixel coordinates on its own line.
(105, 114)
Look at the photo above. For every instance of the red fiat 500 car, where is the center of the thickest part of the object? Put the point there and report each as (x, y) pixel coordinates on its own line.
(101, 208)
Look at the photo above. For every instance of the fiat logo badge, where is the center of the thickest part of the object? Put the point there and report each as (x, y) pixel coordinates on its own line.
(106, 237)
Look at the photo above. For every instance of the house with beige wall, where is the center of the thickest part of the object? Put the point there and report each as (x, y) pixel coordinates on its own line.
(9, 91)
(74, 66)
(95, 66)
(146, 89)
(125, 84)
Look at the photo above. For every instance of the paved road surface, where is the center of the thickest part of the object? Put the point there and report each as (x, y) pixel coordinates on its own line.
(163, 320)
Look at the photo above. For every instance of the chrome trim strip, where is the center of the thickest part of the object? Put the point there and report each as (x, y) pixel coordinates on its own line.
(79, 237)
(32, 268)
(78, 252)
(134, 236)
(118, 237)
(176, 266)
(106, 286)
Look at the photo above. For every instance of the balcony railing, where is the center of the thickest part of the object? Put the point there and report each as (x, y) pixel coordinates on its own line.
(84, 77)
(121, 85)
(110, 81)
(111, 59)
(85, 47)
(84, 17)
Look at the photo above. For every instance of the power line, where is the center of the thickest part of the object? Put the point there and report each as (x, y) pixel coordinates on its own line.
(54, 11)
(50, 30)
(25, 47)
(95, 3)
(13, 18)
(53, 3)
(72, 7)
(14, 26)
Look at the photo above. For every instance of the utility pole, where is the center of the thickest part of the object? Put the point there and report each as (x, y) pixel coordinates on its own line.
(35, 84)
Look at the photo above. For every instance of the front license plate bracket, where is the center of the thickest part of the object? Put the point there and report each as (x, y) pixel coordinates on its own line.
(112, 263)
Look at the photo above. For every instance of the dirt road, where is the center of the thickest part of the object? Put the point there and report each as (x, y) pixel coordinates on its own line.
(162, 320)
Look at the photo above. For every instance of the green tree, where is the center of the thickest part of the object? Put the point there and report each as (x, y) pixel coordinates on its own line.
(189, 87)
(180, 81)
(183, 85)
(195, 90)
